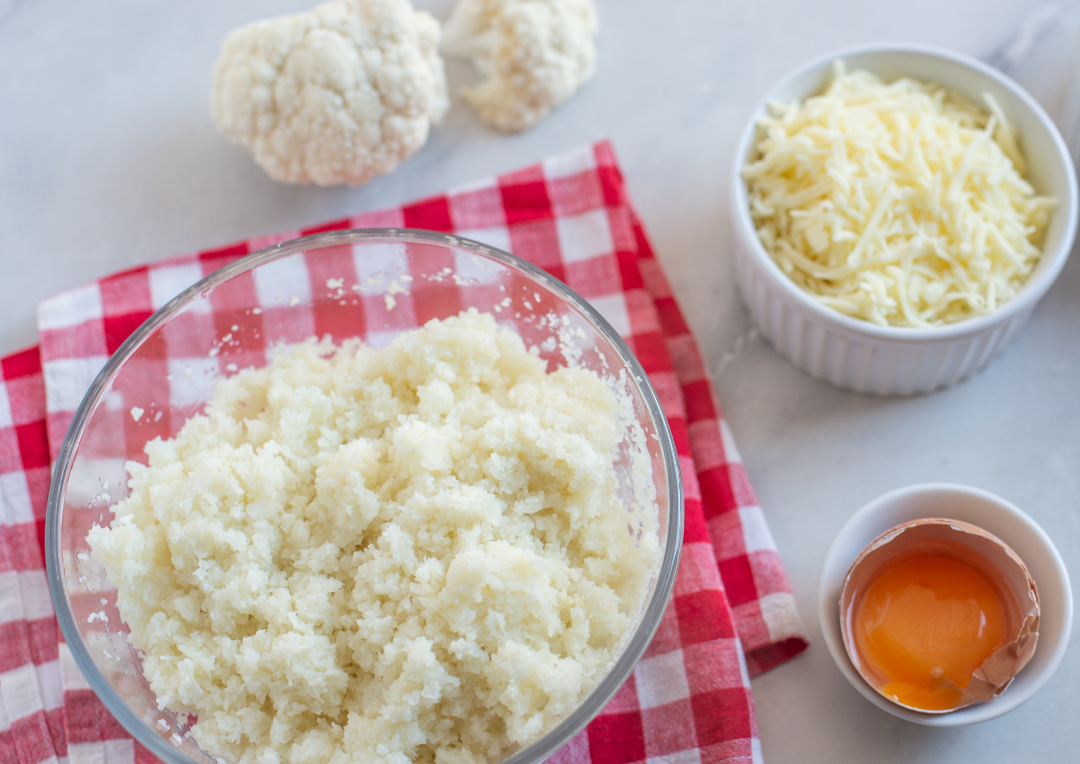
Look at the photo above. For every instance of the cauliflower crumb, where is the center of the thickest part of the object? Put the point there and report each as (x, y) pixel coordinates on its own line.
(338, 94)
(531, 55)
(407, 554)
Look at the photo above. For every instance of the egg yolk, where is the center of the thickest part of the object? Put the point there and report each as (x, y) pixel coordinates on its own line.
(925, 625)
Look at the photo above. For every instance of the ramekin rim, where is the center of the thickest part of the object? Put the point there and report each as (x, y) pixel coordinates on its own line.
(1032, 291)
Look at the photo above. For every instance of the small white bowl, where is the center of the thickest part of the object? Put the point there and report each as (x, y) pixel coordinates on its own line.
(991, 513)
(889, 360)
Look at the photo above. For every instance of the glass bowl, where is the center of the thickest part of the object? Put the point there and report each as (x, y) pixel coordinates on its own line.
(370, 284)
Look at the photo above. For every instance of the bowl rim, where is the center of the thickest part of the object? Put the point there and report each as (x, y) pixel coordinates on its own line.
(1031, 291)
(842, 552)
(653, 608)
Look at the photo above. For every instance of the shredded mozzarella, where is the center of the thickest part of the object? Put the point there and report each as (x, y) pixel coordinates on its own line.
(898, 203)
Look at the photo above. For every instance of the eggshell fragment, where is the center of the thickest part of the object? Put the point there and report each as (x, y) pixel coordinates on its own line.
(983, 551)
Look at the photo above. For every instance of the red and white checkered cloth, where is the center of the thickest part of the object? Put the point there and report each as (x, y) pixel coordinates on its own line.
(732, 614)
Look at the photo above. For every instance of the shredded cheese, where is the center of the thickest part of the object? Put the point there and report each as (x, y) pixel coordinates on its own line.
(899, 203)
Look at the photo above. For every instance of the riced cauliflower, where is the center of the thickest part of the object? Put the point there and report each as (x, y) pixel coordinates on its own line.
(412, 554)
(531, 55)
(338, 94)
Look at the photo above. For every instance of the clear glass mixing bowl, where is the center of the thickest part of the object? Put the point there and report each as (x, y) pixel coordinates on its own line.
(372, 284)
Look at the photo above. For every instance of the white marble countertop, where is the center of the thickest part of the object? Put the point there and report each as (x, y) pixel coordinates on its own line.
(108, 159)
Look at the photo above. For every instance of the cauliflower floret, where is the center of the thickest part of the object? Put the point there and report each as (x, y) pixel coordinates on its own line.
(531, 55)
(338, 94)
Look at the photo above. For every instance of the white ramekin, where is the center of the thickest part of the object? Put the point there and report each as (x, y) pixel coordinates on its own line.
(992, 513)
(887, 360)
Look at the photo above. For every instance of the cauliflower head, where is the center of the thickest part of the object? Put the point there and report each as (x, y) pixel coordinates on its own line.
(338, 94)
(531, 55)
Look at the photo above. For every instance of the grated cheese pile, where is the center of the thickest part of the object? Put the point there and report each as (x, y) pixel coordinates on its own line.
(898, 203)
(412, 554)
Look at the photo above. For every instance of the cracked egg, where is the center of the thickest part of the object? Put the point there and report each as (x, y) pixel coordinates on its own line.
(938, 614)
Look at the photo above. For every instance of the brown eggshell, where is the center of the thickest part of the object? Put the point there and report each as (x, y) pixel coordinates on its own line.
(981, 550)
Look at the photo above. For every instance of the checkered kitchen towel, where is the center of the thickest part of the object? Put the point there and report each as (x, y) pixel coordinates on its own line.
(732, 614)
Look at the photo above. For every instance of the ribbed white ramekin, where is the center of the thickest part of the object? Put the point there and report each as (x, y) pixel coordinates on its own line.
(887, 360)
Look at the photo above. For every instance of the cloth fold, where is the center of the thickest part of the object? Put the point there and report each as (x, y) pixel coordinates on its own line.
(732, 614)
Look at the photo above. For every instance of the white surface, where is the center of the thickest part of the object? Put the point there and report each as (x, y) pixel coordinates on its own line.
(991, 513)
(857, 355)
(108, 159)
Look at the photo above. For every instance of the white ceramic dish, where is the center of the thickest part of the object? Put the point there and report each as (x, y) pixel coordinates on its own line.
(886, 360)
(991, 513)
